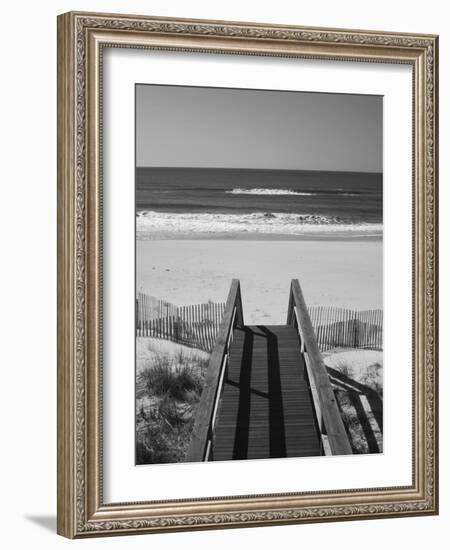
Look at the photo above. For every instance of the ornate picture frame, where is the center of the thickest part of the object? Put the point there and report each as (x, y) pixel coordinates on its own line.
(82, 39)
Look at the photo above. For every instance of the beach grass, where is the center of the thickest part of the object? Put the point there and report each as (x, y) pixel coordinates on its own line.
(168, 393)
(357, 379)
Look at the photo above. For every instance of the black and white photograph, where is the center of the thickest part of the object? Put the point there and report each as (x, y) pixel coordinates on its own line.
(247, 273)
(259, 274)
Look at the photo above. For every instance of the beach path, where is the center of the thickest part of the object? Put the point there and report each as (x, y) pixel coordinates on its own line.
(266, 407)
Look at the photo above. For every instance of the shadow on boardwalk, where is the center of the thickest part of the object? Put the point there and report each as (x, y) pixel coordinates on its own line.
(266, 408)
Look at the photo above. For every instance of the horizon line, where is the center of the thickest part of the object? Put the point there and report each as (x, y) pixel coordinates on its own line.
(262, 169)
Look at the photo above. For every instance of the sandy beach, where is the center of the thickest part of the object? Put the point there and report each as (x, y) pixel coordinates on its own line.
(345, 273)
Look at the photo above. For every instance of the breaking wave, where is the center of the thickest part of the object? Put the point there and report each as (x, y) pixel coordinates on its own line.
(270, 191)
(150, 224)
(265, 191)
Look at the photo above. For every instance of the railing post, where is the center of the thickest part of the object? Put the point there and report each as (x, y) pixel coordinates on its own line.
(136, 314)
(203, 430)
(327, 411)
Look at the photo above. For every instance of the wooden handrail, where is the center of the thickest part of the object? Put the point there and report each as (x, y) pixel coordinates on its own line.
(334, 436)
(203, 430)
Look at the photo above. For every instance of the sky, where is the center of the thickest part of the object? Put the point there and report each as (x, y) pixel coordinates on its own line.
(180, 126)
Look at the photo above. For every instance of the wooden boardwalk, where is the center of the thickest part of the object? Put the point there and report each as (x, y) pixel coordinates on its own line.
(266, 408)
(267, 392)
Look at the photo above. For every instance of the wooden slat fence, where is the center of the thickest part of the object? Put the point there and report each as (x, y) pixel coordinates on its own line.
(149, 307)
(195, 325)
(338, 327)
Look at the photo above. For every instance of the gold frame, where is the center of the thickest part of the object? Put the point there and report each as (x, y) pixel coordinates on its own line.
(81, 37)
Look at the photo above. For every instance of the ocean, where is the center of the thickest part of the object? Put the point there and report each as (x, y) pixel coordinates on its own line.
(224, 203)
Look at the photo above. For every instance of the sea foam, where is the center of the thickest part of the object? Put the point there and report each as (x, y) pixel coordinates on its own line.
(150, 224)
(266, 191)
